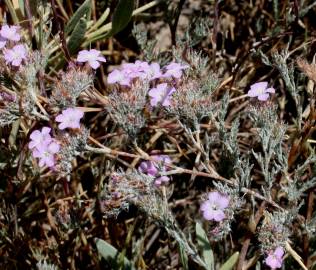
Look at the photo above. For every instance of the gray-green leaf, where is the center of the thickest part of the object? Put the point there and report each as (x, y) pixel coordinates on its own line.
(77, 36)
(110, 253)
(183, 257)
(122, 15)
(230, 263)
(204, 246)
(84, 9)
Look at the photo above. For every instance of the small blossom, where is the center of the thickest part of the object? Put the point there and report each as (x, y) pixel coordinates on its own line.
(275, 259)
(118, 76)
(148, 167)
(174, 70)
(93, 57)
(10, 32)
(135, 70)
(40, 139)
(260, 91)
(153, 71)
(213, 208)
(69, 118)
(46, 154)
(154, 168)
(161, 94)
(16, 55)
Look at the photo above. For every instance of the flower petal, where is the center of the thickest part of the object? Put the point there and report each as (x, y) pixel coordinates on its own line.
(263, 97)
(259, 85)
(270, 90)
(279, 252)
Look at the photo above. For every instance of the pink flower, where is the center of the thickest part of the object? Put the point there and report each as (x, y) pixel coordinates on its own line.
(213, 208)
(275, 259)
(16, 55)
(69, 118)
(260, 90)
(118, 76)
(93, 57)
(153, 168)
(46, 154)
(43, 147)
(161, 94)
(135, 70)
(174, 70)
(130, 71)
(153, 71)
(10, 32)
(40, 138)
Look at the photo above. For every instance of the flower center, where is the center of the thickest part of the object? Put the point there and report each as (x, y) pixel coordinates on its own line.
(261, 90)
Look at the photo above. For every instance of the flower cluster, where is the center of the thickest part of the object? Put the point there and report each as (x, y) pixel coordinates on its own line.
(214, 207)
(45, 147)
(13, 53)
(161, 92)
(144, 70)
(154, 168)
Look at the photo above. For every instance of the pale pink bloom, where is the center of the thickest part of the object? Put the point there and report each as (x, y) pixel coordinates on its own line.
(40, 139)
(174, 70)
(153, 71)
(93, 57)
(118, 76)
(47, 154)
(16, 55)
(69, 118)
(275, 259)
(10, 32)
(161, 94)
(260, 91)
(135, 70)
(213, 208)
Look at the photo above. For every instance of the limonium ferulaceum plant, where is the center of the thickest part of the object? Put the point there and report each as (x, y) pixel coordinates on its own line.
(158, 135)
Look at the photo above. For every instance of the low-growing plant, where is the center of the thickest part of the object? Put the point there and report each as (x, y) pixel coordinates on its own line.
(194, 158)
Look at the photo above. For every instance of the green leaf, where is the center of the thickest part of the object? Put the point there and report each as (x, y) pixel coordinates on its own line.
(12, 11)
(204, 246)
(77, 36)
(183, 257)
(110, 253)
(230, 263)
(122, 15)
(84, 9)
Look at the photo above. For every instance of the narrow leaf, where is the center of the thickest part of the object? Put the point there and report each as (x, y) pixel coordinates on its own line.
(230, 263)
(84, 9)
(122, 15)
(204, 246)
(77, 36)
(183, 257)
(110, 253)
